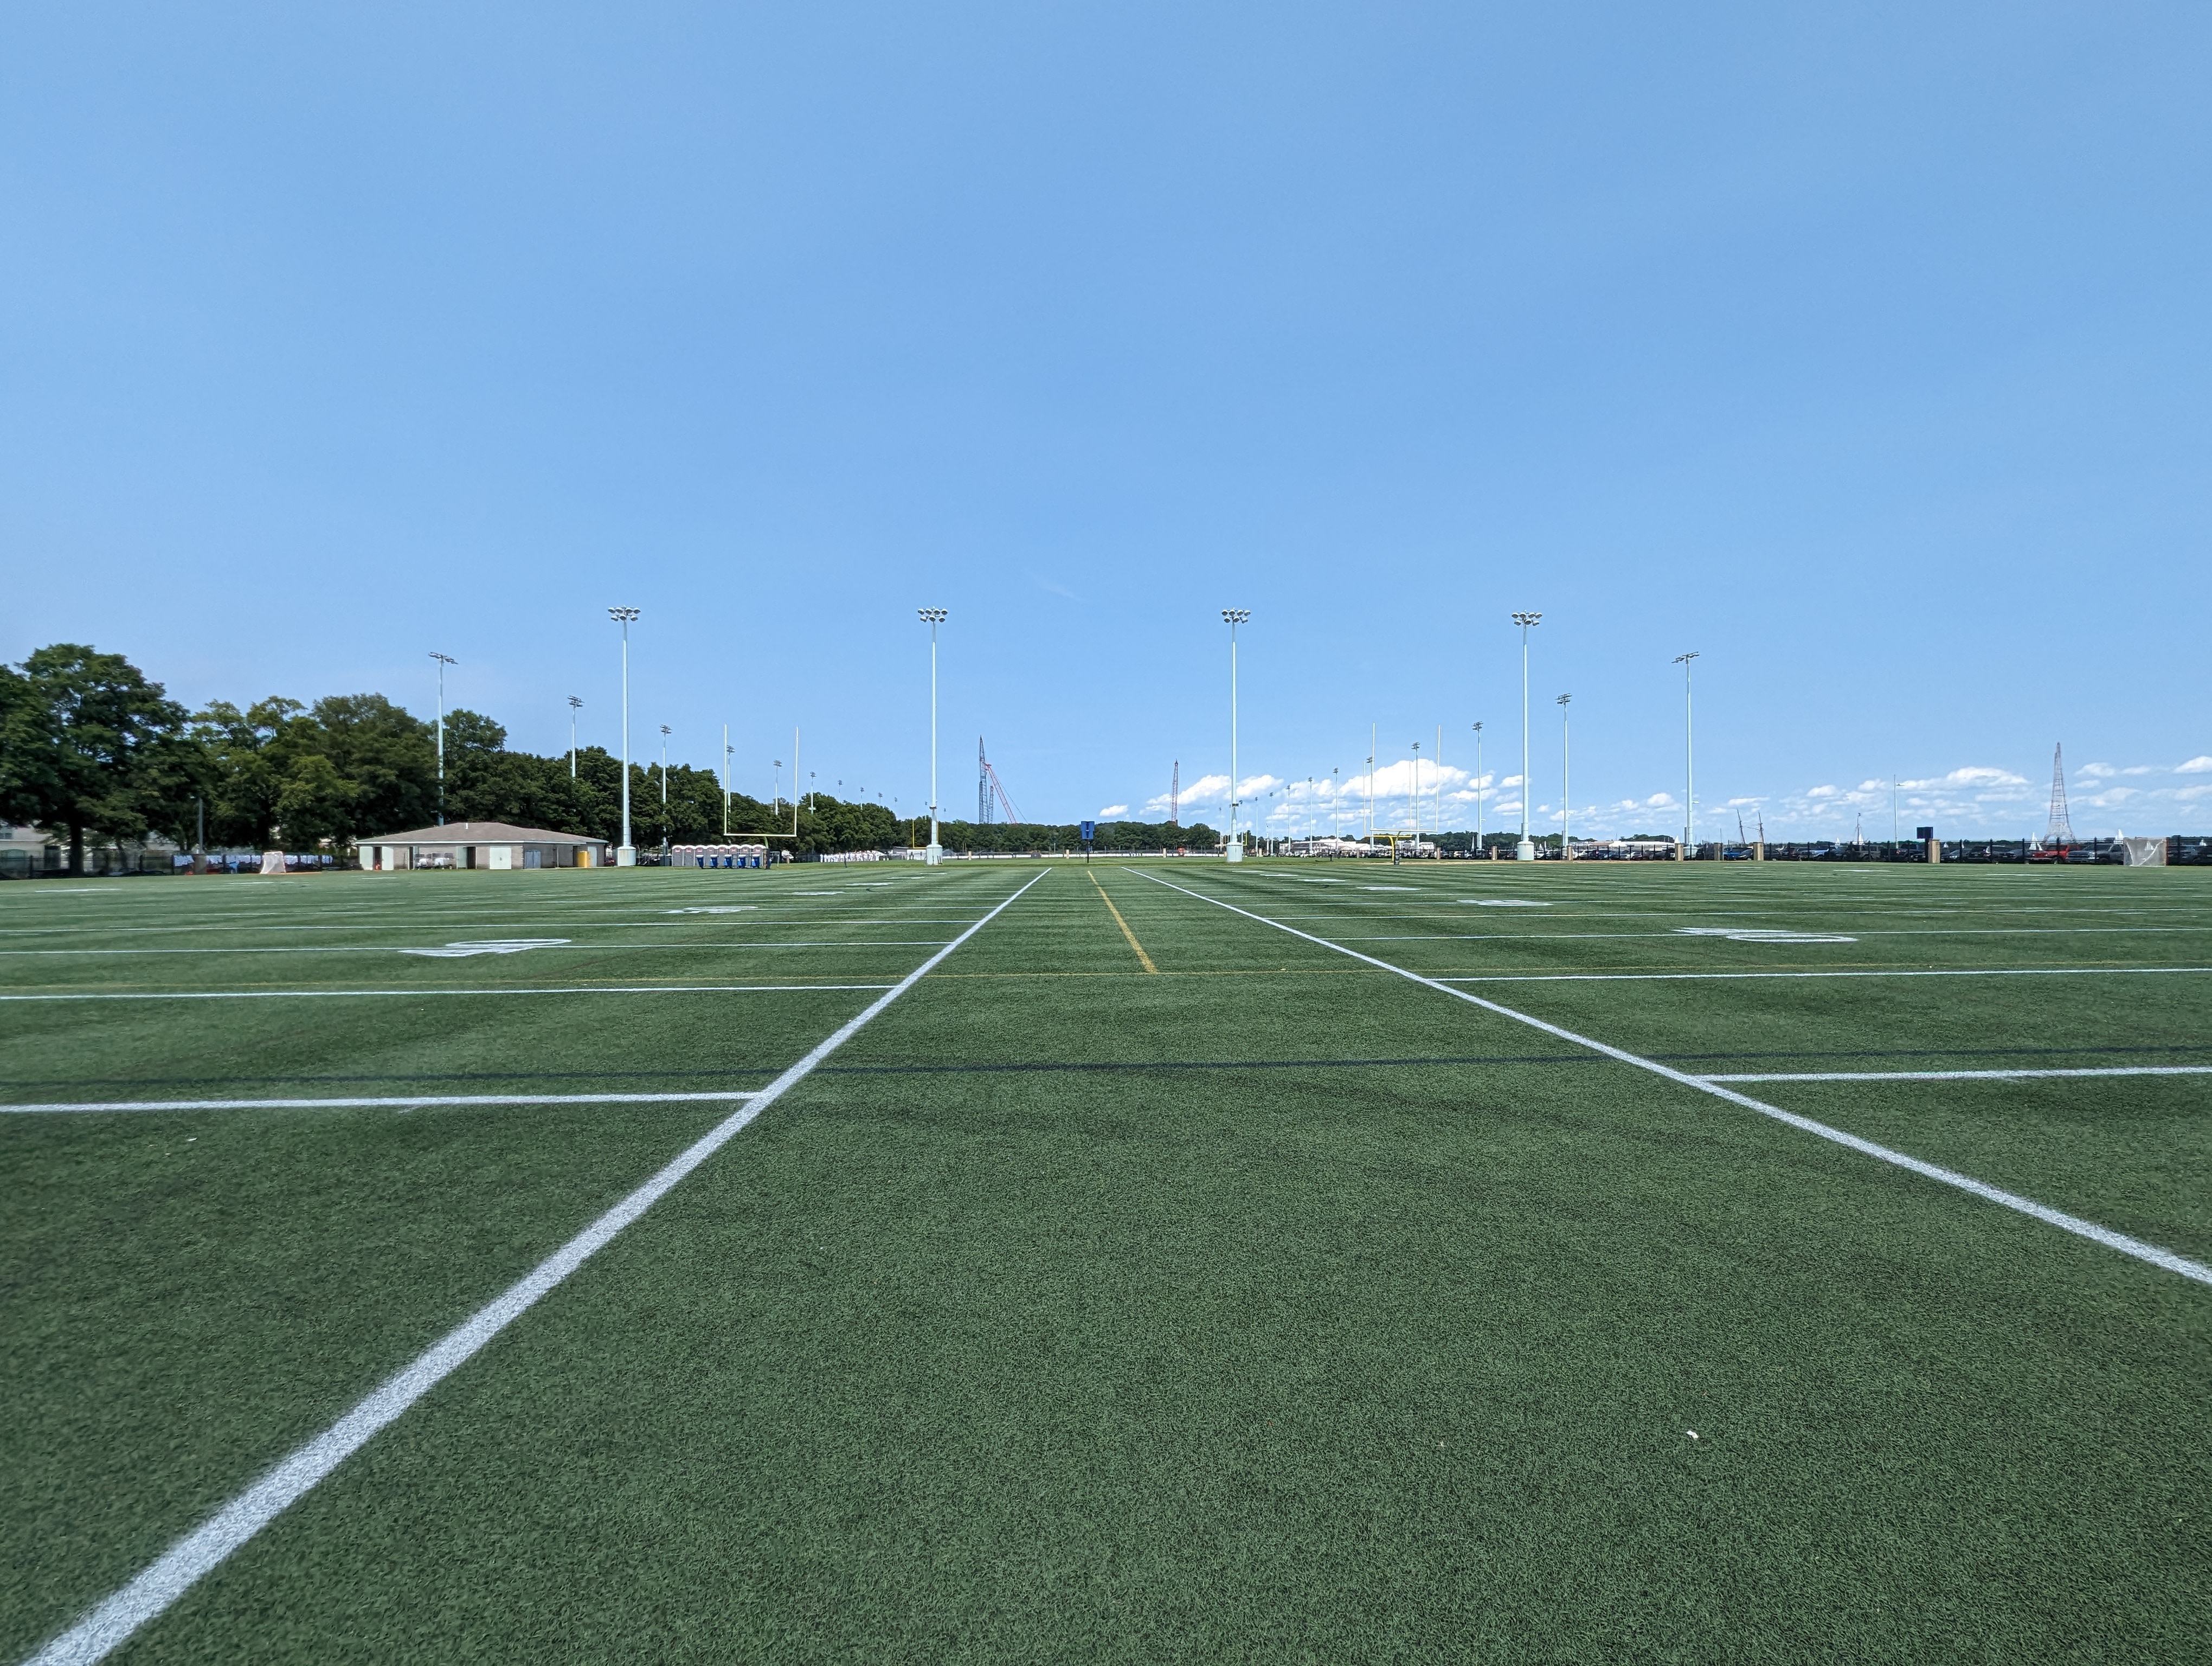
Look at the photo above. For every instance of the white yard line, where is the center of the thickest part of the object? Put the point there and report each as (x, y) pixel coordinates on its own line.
(1963, 1075)
(2151, 1253)
(434, 989)
(409, 1101)
(199, 1552)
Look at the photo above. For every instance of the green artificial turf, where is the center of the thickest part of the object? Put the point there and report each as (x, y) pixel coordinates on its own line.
(1267, 1306)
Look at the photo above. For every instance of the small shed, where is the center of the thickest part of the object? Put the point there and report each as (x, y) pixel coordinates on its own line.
(496, 845)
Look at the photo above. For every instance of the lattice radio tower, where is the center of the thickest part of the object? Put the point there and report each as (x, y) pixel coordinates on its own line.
(2061, 831)
(1175, 795)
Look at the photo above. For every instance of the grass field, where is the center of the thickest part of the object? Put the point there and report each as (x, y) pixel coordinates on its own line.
(1150, 1279)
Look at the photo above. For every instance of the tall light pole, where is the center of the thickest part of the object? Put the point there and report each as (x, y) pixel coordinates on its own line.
(1526, 850)
(664, 792)
(1689, 760)
(1233, 616)
(932, 617)
(625, 853)
(1566, 791)
(443, 660)
(1416, 797)
(575, 706)
(1477, 790)
(1371, 786)
(725, 780)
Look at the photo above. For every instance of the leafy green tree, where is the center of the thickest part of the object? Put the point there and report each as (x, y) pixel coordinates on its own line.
(94, 746)
(247, 775)
(354, 765)
(992, 836)
(388, 754)
(20, 754)
(315, 803)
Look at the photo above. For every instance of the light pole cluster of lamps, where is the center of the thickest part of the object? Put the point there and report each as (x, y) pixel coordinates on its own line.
(443, 660)
(626, 852)
(1524, 849)
(932, 617)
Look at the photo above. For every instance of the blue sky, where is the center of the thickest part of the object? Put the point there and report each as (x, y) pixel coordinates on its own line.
(1863, 350)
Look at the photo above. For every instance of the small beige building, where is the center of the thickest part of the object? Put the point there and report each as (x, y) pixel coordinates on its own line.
(481, 844)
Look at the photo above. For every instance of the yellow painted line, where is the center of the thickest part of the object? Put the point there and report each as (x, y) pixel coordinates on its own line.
(1142, 957)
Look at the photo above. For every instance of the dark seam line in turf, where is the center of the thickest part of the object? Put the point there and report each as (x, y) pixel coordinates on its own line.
(12, 1082)
(2140, 1249)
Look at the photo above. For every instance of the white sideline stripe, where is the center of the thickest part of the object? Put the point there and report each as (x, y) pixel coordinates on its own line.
(199, 1552)
(1967, 1075)
(434, 989)
(1804, 934)
(2152, 1253)
(410, 1102)
(1685, 977)
(438, 949)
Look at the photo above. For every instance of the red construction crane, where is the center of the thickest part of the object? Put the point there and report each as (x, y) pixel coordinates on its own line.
(990, 783)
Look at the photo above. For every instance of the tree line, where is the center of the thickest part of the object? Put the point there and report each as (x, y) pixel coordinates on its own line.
(92, 749)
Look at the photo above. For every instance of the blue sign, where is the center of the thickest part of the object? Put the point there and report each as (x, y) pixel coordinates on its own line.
(1090, 831)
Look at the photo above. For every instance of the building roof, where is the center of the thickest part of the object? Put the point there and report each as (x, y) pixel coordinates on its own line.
(482, 833)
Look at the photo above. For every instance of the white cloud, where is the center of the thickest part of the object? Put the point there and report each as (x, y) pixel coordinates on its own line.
(1821, 793)
(2095, 771)
(1115, 810)
(1205, 790)
(2196, 766)
(1974, 774)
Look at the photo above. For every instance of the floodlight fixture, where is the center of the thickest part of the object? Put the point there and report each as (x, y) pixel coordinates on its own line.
(1477, 790)
(443, 660)
(1415, 798)
(1526, 850)
(1566, 790)
(932, 617)
(1689, 759)
(626, 853)
(575, 705)
(664, 792)
(1233, 616)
